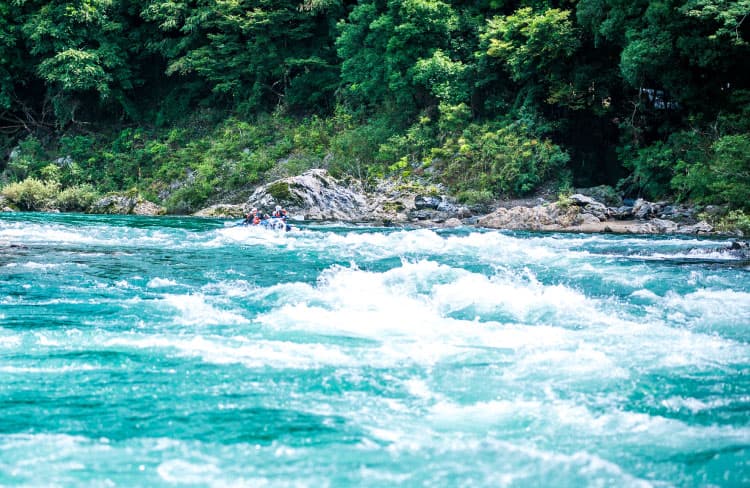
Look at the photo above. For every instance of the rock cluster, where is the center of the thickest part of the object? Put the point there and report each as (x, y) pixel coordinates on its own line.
(316, 195)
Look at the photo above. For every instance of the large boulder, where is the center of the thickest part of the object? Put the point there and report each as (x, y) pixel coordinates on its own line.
(126, 205)
(643, 209)
(590, 206)
(541, 217)
(313, 195)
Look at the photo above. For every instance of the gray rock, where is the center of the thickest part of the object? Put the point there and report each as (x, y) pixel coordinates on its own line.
(581, 200)
(655, 226)
(597, 209)
(590, 206)
(450, 207)
(427, 202)
(621, 213)
(453, 222)
(546, 217)
(701, 227)
(679, 213)
(426, 215)
(643, 209)
(588, 218)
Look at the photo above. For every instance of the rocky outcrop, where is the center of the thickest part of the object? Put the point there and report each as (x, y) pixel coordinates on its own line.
(126, 205)
(316, 195)
(313, 195)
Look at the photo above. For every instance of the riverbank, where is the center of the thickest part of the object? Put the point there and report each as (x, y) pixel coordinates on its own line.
(317, 196)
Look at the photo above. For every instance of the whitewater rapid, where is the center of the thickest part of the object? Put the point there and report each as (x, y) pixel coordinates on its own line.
(137, 351)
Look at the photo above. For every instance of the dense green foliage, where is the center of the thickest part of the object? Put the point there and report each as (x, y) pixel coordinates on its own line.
(189, 101)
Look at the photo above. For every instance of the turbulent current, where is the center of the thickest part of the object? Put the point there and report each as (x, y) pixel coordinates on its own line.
(149, 352)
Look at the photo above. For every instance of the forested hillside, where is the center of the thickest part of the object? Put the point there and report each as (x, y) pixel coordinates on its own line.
(189, 101)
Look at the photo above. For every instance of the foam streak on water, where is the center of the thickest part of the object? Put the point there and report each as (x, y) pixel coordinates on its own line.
(150, 352)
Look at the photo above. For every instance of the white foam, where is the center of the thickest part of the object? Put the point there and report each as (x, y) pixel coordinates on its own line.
(34, 265)
(195, 310)
(695, 405)
(68, 368)
(724, 305)
(230, 288)
(253, 354)
(582, 363)
(416, 298)
(559, 417)
(184, 472)
(94, 235)
(43, 340)
(248, 235)
(160, 283)
(10, 342)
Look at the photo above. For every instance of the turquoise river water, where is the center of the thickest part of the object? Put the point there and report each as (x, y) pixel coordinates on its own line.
(185, 352)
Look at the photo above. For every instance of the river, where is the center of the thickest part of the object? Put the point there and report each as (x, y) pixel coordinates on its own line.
(179, 351)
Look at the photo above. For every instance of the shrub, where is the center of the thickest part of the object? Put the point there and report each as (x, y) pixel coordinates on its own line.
(31, 193)
(735, 220)
(508, 157)
(730, 170)
(474, 197)
(77, 198)
(26, 159)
